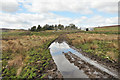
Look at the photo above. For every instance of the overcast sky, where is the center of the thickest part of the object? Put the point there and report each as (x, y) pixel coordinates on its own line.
(22, 14)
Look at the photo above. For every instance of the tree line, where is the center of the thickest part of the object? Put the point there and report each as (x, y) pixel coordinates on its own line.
(53, 27)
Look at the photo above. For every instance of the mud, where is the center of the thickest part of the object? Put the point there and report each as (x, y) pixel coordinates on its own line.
(62, 37)
(52, 71)
(88, 69)
(112, 65)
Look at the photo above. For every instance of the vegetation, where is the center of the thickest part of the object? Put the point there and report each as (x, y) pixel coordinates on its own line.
(26, 56)
(53, 27)
(103, 45)
(105, 30)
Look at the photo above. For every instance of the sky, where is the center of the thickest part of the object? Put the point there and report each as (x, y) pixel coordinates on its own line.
(23, 14)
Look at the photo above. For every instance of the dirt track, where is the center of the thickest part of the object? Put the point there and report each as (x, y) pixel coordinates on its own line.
(88, 69)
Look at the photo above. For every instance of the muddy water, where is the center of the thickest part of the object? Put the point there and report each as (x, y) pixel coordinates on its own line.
(67, 69)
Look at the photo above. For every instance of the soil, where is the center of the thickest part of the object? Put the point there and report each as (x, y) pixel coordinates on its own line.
(88, 69)
(52, 71)
(112, 65)
(61, 38)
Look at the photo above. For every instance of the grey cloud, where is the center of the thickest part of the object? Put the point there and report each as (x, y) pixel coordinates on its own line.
(9, 5)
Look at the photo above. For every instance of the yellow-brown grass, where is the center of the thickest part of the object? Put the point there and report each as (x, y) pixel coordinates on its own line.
(82, 38)
(112, 55)
(17, 61)
(93, 46)
(85, 37)
(19, 46)
(113, 45)
(25, 43)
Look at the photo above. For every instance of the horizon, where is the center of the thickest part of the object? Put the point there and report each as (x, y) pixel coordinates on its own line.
(82, 28)
(23, 14)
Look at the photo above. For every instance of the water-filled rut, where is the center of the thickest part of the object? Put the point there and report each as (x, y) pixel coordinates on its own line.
(73, 64)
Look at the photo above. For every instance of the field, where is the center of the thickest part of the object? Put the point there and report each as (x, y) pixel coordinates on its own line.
(102, 42)
(25, 54)
(109, 29)
(105, 30)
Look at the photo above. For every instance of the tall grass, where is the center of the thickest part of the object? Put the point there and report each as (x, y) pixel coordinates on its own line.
(16, 53)
(96, 44)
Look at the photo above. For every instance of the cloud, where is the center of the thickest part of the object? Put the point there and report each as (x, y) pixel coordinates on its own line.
(43, 12)
(110, 6)
(77, 6)
(99, 21)
(43, 6)
(9, 5)
(27, 20)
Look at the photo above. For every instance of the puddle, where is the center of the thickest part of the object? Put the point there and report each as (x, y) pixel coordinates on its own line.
(67, 69)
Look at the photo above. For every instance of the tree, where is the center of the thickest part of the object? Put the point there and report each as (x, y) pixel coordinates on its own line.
(39, 28)
(60, 27)
(33, 28)
(46, 27)
(72, 26)
(56, 27)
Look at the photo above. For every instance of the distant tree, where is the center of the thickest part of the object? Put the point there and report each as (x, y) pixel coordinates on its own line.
(61, 27)
(72, 26)
(51, 27)
(67, 27)
(55, 27)
(46, 27)
(33, 28)
(39, 28)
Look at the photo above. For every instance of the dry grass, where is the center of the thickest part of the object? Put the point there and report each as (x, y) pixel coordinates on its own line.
(19, 46)
(112, 55)
(85, 37)
(92, 40)
(17, 61)
(93, 46)
(113, 45)
(24, 44)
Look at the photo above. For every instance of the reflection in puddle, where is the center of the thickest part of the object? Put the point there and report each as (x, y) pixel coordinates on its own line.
(67, 69)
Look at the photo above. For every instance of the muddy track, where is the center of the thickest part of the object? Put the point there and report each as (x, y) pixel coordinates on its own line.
(52, 71)
(63, 37)
(110, 64)
(88, 69)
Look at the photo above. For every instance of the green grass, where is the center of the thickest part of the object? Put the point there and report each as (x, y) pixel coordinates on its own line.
(107, 29)
(31, 68)
(98, 32)
(101, 50)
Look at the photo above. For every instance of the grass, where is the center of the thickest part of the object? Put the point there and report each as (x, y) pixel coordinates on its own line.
(105, 30)
(25, 51)
(26, 54)
(102, 45)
